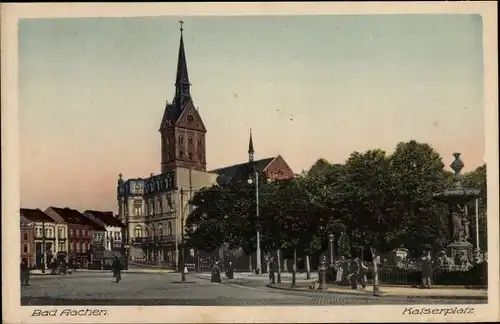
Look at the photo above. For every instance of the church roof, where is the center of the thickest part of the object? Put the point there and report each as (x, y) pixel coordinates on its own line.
(243, 169)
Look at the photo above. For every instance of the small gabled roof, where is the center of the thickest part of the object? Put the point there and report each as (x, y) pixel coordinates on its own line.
(73, 216)
(106, 217)
(35, 215)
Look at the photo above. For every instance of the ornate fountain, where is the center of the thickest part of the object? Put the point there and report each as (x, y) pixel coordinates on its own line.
(461, 255)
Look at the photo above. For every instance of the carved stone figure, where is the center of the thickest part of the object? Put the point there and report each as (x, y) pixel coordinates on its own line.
(456, 222)
(465, 228)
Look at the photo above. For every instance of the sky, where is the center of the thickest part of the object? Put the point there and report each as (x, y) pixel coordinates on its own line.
(92, 93)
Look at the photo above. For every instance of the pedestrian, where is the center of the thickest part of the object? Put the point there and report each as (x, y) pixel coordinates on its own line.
(185, 269)
(354, 273)
(117, 268)
(363, 269)
(426, 271)
(25, 273)
(272, 269)
(230, 271)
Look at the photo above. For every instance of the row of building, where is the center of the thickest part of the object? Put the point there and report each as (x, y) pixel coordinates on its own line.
(67, 234)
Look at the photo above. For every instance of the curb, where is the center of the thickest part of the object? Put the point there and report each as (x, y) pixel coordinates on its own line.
(382, 294)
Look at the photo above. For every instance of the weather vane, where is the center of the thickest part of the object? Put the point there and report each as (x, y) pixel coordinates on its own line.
(181, 22)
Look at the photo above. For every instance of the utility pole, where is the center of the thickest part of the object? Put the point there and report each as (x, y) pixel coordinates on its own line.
(183, 275)
(258, 270)
(477, 224)
(43, 247)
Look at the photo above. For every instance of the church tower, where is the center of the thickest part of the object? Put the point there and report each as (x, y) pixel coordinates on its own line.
(182, 130)
(250, 149)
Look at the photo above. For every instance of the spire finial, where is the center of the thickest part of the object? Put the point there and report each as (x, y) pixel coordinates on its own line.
(181, 22)
(250, 146)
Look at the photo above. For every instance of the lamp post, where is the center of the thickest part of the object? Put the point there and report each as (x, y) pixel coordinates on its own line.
(183, 275)
(257, 209)
(331, 238)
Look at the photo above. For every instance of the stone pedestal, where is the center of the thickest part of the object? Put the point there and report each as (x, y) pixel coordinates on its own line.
(457, 248)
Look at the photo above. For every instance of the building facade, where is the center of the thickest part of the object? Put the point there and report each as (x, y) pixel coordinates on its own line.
(111, 239)
(80, 233)
(50, 236)
(154, 209)
(27, 241)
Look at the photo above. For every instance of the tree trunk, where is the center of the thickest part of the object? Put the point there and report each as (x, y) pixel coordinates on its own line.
(376, 286)
(308, 268)
(268, 262)
(278, 259)
(250, 267)
(285, 265)
(294, 269)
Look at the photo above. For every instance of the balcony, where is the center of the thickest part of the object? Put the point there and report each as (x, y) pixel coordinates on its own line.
(155, 240)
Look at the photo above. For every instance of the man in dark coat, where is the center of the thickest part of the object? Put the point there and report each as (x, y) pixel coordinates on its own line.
(117, 268)
(25, 273)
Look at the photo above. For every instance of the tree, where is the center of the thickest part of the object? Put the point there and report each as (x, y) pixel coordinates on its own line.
(368, 190)
(419, 173)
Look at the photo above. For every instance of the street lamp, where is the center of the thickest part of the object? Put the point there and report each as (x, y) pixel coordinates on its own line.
(250, 181)
(331, 238)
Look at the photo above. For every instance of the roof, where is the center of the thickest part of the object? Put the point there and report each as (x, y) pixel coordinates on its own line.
(106, 217)
(243, 169)
(73, 216)
(35, 215)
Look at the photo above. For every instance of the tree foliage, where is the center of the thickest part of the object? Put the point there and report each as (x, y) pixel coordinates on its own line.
(373, 200)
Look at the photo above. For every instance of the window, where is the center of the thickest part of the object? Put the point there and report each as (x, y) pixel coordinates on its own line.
(84, 246)
(71, 232)
(181, 154)
(181, 139)
(61, 233)
(138, 231)
(168, 156)
(25, 248)
(77, 232)
(77, 246)
(25, 236)
(190, 155)
(199, 141)
(200, 157)
(190, 118)
(72, 246)
(46, 232)
(190, 140)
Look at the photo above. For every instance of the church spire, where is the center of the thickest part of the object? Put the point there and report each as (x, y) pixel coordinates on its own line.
(250, 148)
(182, 84)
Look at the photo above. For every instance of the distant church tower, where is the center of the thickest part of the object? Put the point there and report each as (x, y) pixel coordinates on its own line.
(182, 129)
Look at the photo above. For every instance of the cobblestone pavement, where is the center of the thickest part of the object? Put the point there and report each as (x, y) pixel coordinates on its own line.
(166, 289)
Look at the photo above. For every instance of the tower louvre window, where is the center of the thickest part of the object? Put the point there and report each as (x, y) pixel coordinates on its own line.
(181, 139)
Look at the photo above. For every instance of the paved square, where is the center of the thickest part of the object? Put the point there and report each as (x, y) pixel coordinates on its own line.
(165, 289)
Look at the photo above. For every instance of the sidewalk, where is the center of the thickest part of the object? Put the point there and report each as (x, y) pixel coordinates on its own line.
(437, 292)
(38, 272)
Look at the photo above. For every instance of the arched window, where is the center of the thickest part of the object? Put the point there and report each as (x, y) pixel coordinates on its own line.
(181, 154)
(199, 141)
(190, 140)
(190, 156)
(160, 229)
(138, 231)
(181, 139)
(169, 228)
